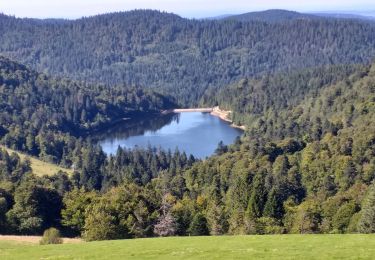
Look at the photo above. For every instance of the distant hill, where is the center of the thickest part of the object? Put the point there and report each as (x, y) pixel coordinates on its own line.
(273, 15)
(278, 15)
(345, 16)
(219, 17)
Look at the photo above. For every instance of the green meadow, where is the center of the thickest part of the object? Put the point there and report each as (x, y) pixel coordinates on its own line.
(39, 167)
(219, 247)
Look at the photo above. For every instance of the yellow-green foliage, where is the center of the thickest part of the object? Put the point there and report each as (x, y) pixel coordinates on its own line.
(51, 236)
(39, 167)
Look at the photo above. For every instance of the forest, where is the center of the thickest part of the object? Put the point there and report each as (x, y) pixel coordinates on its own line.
(305, 165)
(304, 89)
(182, 57)
(46, 117)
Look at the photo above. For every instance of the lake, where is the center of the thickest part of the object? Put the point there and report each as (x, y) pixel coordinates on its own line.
(195, 133)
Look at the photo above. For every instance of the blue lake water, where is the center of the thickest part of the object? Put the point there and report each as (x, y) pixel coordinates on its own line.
(195, 133)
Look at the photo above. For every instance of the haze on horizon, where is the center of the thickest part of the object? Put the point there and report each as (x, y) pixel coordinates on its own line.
(71, 9)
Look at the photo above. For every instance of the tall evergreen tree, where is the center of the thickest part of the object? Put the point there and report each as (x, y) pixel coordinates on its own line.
(198, 225)
(367, 221)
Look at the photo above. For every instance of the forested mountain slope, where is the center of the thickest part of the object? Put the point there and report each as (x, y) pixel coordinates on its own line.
(305, 166)
(37, 111)
(183, 57)
(251, 99)
(35, 99)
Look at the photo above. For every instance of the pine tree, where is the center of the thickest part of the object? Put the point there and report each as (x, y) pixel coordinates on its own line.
(198, 226)
(367, 222)
(221, 148)
(216, 219)
(257, 197)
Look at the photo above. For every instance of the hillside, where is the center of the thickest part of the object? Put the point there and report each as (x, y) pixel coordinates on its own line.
(47, 117)
(40, 167)
(252, 98)
(68, 105)
(182, 57)
(231, 247)
(308, 161)
(305, 165)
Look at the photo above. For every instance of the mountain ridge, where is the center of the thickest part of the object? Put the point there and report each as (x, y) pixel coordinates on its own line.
(180, 56)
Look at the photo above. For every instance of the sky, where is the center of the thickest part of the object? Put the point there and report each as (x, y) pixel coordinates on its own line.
(187, 8)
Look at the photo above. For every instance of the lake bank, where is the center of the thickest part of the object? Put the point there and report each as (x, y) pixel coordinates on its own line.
(225, 115)
(215, 111)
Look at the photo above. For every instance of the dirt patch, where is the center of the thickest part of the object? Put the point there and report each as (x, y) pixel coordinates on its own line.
(34, 239)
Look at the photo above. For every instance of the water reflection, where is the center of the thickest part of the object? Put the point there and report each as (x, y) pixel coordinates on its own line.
(194, 132)
(138, 126)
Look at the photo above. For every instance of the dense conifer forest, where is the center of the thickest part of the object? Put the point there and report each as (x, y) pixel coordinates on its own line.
(44, 116)
(182, 57)
(305, 89)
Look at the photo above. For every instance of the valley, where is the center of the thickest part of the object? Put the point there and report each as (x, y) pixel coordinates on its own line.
(241, 136)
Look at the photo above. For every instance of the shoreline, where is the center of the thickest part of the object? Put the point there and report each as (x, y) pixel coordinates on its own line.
(203, 110)
(225, 116)
(215, 111)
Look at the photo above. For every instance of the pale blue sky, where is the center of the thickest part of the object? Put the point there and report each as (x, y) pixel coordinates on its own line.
(185, 8)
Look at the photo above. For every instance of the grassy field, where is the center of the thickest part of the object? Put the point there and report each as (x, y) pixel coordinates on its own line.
(224, 247)
(39, 167)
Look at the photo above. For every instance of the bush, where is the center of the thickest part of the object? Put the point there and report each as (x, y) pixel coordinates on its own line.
(51, 236)
(267, 225)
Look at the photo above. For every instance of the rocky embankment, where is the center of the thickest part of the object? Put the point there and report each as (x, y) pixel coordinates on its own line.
(225, 115)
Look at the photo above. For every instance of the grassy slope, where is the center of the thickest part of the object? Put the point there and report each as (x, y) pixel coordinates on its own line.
(39, 167)
(224, 247)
